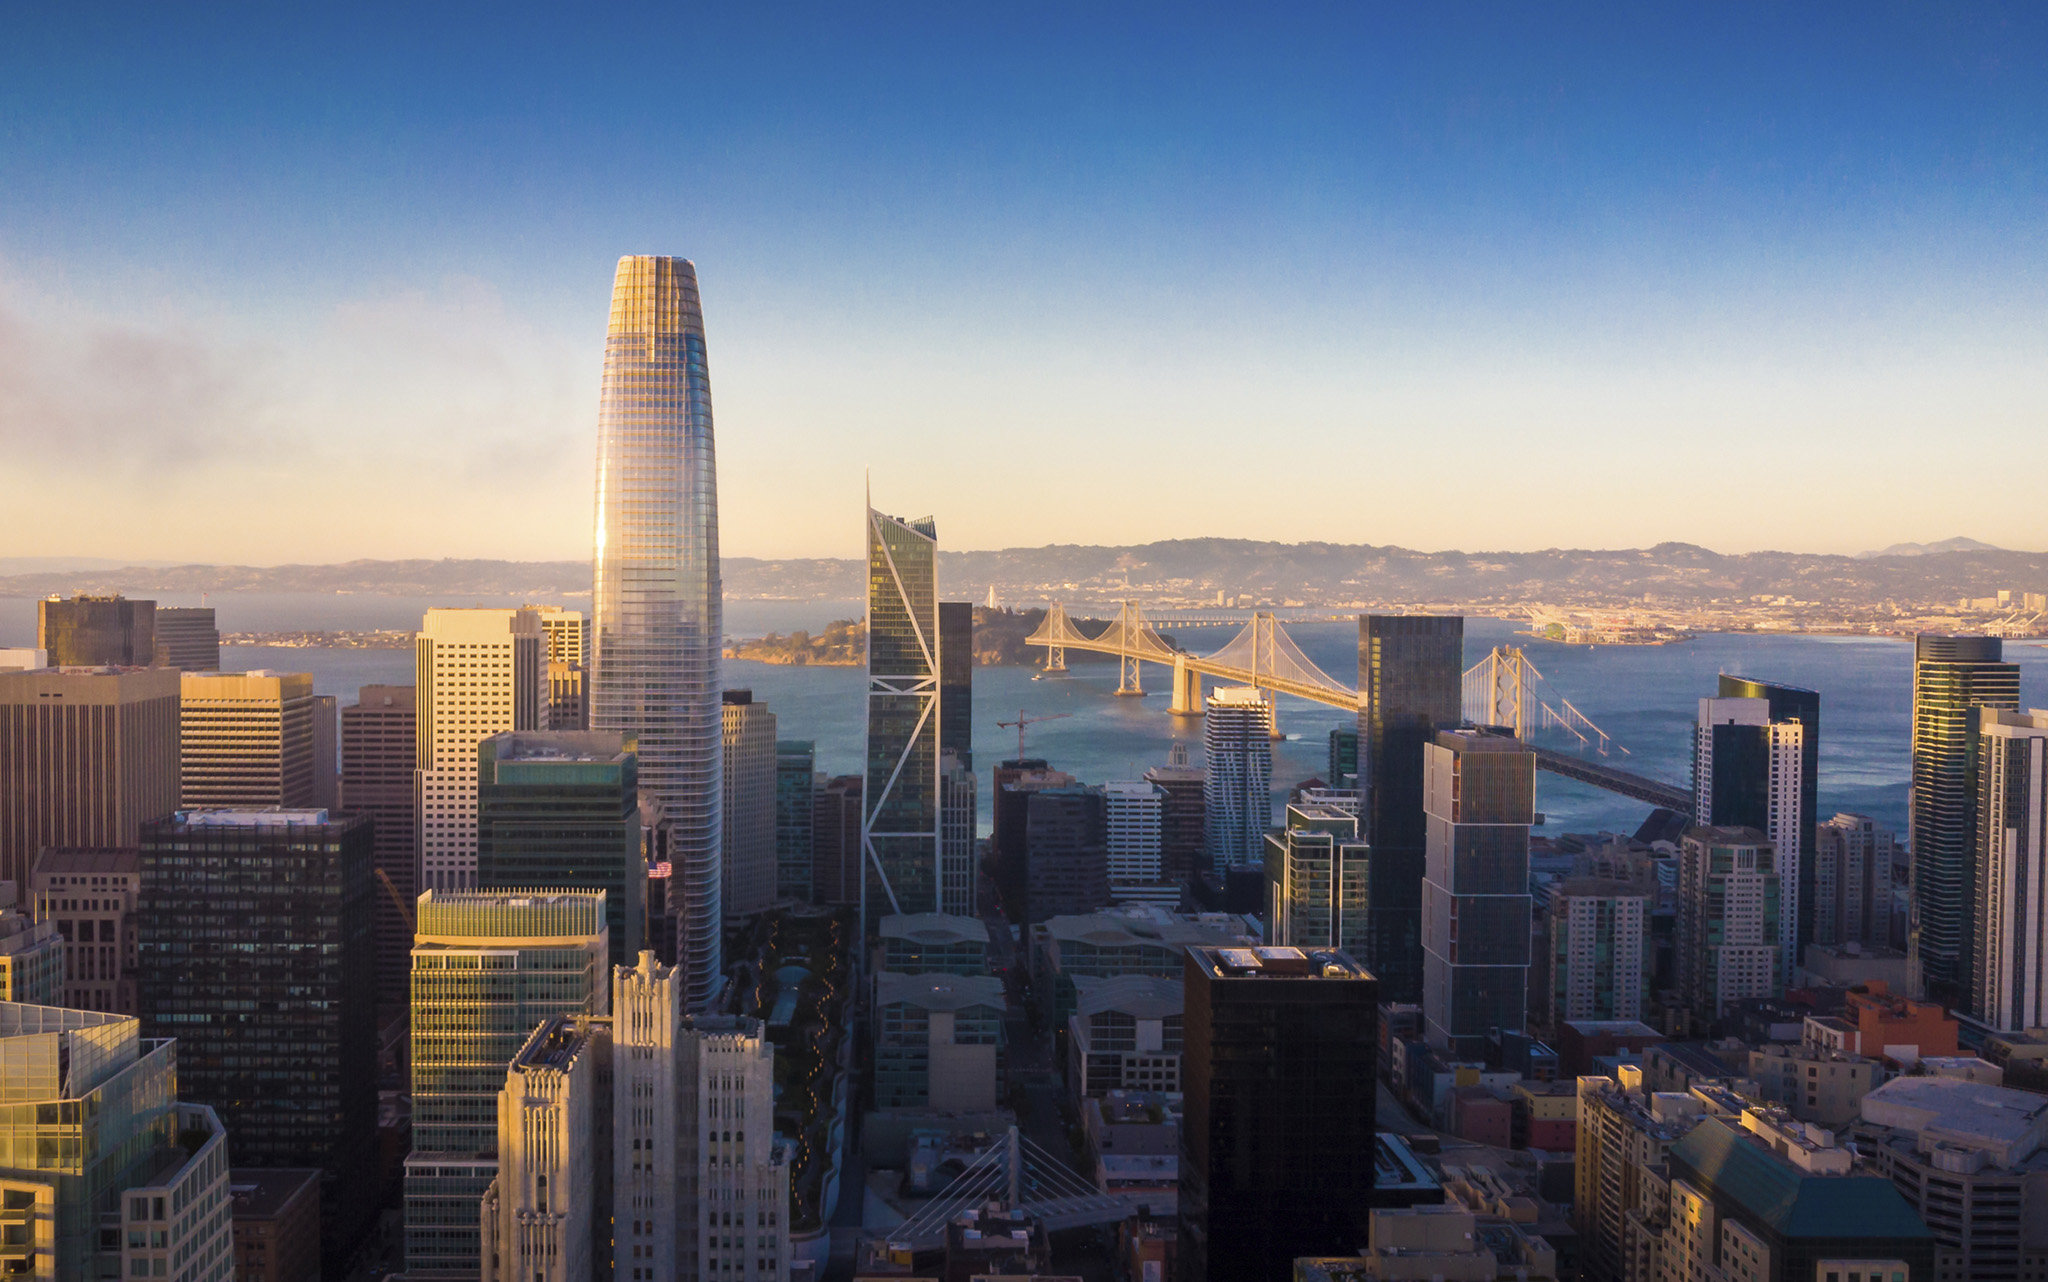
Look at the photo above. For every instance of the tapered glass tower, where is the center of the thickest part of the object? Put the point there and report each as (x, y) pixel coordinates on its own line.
(657, 626)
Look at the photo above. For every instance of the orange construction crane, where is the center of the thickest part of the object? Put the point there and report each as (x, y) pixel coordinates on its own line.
(1024, 719)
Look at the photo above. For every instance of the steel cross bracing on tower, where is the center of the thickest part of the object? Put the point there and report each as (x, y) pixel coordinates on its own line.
(1024, 1178)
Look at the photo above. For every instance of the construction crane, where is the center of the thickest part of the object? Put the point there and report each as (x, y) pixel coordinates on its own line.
(1024, 719)
(397, 900)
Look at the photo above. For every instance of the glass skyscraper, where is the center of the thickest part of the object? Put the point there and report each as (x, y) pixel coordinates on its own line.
(657, 627)
(900, 821)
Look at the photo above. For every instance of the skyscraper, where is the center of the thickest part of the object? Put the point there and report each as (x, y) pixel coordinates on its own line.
(1730, 919)
(1787, 704)
(85, 759)
(1749, 771)
(187, 639)
(1136, 809)
(1237, 791)
(959, 814)
(96, 631)
(379, 735)
(1480, 794)
(748, 849)
(246, 739)
(1278, 1143)
(560, 809)
(568, 661)
(2009, 977)
(1317, 879)
(1595, 938)
(835, 841)
(1183, 847)
(1853, 857)
(796, 760)
(1410, 684)
(480, 673)
(657, 605)
(487, 970)
(901, 824)
(1952, 678)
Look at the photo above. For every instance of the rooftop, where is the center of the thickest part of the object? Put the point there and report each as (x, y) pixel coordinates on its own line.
(267, 817)
(1957, 1110)
(939, 992)
(1791, 1201)
(935, 928)
(1139, 996)
(1277, 963)
(542, 747)
(119, 860)
(260, 1193)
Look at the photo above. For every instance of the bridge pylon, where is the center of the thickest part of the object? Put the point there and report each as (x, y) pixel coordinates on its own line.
(1187, 689)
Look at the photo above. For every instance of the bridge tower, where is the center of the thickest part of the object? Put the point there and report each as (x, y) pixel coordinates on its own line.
(1128, 623)
(1187, 689)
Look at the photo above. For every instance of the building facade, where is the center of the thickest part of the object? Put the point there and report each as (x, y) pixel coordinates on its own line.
(2009, 974)
(1480, 801)
(1318, 881)
(480, 673)
(796, 761)
(90, 897)
(1749, 771)
(32, 955)
(97, 631)
(85, 759)
(1135, 811)
(1237, 789)
(749, 854)
(1729, 935)
(187, 639)
(1853, 861)
(1952, 678)
(1789, 704)
(938, 1042)
(1183, 810)
(379, 748)
(1066, 852)
(1597, 934)
(836, 842)
(246, 740)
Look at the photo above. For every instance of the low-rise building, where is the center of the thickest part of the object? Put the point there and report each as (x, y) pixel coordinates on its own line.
(1147, 1247)
(276, 1223)
(934, 944)
(1548, 1115)
(1125, 1035)
(90, 895)
(1581, 1041)
(1879, 1025)
(1121, 941)
(1814, 1084)
(1438, 1244)
(938, 1042)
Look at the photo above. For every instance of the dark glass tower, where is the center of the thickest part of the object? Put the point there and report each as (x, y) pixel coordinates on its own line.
(1791, 703)
(1952, 678)
(254, 947)
(796, 764)
(1278, 1138)
(1480, 790)
(1410, 682)
(560, 810)
(379, 748)
(956, 680)
(96, 631)
(657, 628)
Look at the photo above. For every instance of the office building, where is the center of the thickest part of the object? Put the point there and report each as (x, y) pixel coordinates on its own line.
(187, 639)
(97, 631)
(749, 806)
(1410, 684)
(1237, 793)
(560, 810)
(1134, 811)
(934, 944)
(1318, 878)
(1813, 1082)
(1596, 938)
(959, 812)
(276, 1222)
(920, 654)
(1480, 800)
(1128, 940)
(1729, 937)
(252, 934)
(1952, 678)
(1183, 817)
(1853, 859)
(796, 761)
(1277, 1137)
(1066, 853)
(1127, 1033)
(85, 759)
(106, 1172)
(246, 740)
(1748, 771)
(568, 659)
(938, 1042)
(1878, 1024)
(488, 968)
(835, 841)
(1762, 1196)
(90, 896)
(1016, 783)
(326, 752)
(657, 623)
(541, 1215)
(32, 954)
(1342, 770)
(379, 746)
(1967, 1156)
(480, 673)
(2009, 976)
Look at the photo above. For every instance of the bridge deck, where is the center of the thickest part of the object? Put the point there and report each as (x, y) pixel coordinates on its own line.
(1622, 782)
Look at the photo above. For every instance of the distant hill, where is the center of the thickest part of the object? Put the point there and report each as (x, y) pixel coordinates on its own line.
(1195, 571)
(1926, 549)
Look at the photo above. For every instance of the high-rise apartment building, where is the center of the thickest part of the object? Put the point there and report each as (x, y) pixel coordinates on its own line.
(1479, 793)
(1952, 678)
(379, 749)
(90, 897)
(97, 631)
(253, 936)
(1853, 859)
(487, 970)
(901, 838)
(1237, 794)
(480, 673)
(1789, 704)
(2009, 974)
(1318, 880)
(85, 759)
(104, 1173)
(1410, 683)
(749, 843)
(187, 639)
(1277, 1138)
(1624, 1132)
(246, 739)
(1730, 930)
(796, 761)
(1749, 771)
(560, 810)
(657, 629)
(1136, 809)
(1596, 950)
(1341, 771)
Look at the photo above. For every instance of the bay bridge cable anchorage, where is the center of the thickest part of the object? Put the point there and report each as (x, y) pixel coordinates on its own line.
(1503, 689)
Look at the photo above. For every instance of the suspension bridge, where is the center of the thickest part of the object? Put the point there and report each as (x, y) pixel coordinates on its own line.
(1503, 689)
(1019, 1175)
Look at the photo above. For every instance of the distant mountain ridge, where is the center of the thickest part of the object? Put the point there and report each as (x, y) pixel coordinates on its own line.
(1191, 570)
(1928, 549)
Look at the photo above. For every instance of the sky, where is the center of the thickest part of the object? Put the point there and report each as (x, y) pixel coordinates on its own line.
(311, 283)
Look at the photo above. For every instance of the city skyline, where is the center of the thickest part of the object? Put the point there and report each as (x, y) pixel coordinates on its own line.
(1592, 249)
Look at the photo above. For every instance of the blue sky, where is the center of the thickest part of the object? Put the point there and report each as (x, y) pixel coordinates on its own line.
(1491, 276)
